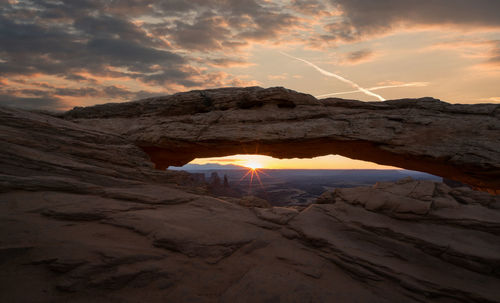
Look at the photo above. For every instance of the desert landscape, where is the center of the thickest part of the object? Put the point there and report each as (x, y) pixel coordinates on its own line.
(249, 151)
(87, 217)
(288, 187)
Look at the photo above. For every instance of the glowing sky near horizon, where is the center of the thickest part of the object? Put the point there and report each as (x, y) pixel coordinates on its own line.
(323, 162)
(55, 55)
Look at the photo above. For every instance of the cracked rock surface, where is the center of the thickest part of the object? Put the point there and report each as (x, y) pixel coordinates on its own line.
(84, 217)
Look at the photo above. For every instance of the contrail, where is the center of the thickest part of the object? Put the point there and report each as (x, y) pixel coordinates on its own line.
(416, 84)
(329, 74)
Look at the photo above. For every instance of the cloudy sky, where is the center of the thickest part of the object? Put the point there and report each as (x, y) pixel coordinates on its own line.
(57, 54)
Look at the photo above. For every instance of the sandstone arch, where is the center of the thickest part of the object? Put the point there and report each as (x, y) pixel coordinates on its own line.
(456, 141)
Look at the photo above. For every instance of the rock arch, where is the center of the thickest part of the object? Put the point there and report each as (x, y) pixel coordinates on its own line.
(456, 141)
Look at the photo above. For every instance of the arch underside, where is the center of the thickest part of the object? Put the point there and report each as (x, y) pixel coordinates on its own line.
(456, 141)
(480, 178)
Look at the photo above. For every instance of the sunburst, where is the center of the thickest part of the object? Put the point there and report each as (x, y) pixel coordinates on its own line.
(253, 165)
(253, 170)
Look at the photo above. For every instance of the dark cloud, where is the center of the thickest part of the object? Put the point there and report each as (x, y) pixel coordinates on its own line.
(41, 103)
(50, 97)
(125, 53)
(494, 59)
(224, 24)
(112, 27)
(226, 61)
(367, 17)
(176, 44)
(109, 92)
(144, 40)
(310, 7)
(31, 49)
(268, 25)
(359, 56)
(207, 33)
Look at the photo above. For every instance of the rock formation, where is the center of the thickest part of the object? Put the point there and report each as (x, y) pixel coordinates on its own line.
(215, 180)
(217, 187)
(456, 141)
(86, 217)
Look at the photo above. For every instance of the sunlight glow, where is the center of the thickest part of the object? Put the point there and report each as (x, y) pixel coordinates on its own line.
(266, 162)
(253, 165)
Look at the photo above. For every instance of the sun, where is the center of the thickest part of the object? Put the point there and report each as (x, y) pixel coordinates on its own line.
(253, 165)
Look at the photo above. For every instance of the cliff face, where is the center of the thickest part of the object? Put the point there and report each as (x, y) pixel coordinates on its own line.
(86, 217)
(459, 142)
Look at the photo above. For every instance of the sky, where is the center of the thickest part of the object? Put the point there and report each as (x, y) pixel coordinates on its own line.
(323, 162)
(57, 54)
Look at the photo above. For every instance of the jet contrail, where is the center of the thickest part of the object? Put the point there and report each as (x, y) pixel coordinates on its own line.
(419, 84)
(329, 74)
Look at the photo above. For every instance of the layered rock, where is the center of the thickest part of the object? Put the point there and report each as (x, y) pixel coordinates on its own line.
(84, 217)
(416, 234)
(456, 141)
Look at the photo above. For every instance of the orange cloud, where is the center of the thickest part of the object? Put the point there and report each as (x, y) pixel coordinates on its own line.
(486, 50)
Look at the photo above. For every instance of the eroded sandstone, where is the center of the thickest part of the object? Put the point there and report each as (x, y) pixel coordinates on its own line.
(84, 216)
(456, 141)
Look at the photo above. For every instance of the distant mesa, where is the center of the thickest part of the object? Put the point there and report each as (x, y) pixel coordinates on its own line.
(207, 166)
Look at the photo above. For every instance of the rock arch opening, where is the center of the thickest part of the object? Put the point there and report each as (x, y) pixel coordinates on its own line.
(278, 182)
(184, 152)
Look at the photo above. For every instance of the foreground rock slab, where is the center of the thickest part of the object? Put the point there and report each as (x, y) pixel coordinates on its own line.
(84, 217)
(456, 141)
